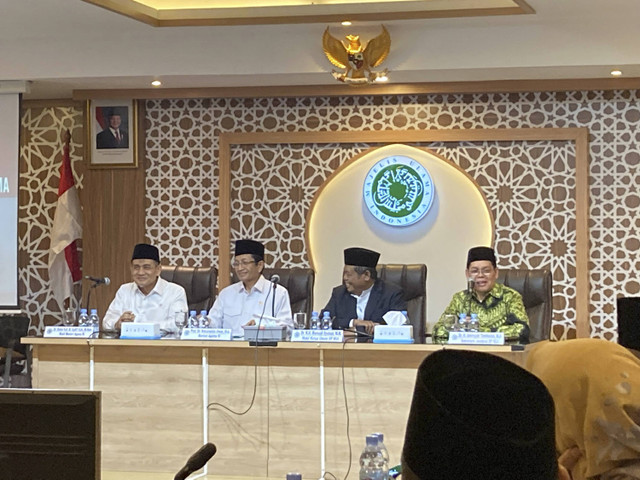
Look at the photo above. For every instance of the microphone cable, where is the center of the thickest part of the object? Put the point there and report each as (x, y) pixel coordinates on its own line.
(213, 405)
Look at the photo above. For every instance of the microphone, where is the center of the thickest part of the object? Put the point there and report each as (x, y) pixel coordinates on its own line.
(470, 284)
(196, 461)
(99, 280)
(275, 278)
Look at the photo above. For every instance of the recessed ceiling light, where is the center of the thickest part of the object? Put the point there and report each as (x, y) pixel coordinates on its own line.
(156, 83)
(346, 23)
(616, 73)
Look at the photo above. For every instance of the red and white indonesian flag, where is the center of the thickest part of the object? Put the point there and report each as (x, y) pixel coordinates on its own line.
(64, 265)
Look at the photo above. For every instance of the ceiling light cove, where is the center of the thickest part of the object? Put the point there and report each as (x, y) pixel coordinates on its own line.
(167, 13)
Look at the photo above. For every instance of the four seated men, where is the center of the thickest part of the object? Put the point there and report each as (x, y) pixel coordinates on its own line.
(360, 301)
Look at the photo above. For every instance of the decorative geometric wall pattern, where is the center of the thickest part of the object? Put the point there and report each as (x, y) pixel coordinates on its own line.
(182, 147)
(534, 211)
(40, 159)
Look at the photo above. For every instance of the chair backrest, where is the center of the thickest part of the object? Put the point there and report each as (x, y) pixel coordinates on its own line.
(198, 282)
(412, 279)
(12, 329)
(629, 322)
(299, 283)
(535, 286)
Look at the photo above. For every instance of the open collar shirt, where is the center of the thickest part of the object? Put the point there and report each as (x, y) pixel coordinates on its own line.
(159, 306)
(235, 306)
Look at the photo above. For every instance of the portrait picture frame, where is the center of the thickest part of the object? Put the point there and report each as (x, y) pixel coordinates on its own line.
(112, 133)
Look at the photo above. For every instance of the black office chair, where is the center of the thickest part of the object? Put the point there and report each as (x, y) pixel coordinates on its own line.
(535, 286)
(628, 309)
(13, 353)
(199, 284)
(298, 282)
(412, 279)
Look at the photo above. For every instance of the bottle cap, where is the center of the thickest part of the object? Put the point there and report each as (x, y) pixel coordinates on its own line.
(94, 310)
(294, 476)
(203, 312)
(314, 314)
(372, 440)
(380, 437)
(326, 314)
(192, 312)
(83, 310)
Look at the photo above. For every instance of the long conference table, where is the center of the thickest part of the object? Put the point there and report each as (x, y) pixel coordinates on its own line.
(155, 395)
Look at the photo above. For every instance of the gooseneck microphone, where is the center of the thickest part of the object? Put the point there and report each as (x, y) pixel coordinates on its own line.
(99, 280)
(275, 278)
(470, 284)
(196, 461)
(96, 281)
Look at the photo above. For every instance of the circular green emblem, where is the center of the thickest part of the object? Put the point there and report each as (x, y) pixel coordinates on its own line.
(398, 190)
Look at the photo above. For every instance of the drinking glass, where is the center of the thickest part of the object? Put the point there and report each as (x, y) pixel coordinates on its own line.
(180, 319)
(69, 317)
(450, 322)
(300, 320)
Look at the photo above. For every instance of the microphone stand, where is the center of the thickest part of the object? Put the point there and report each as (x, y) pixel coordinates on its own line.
(95, 284)
(273, 300)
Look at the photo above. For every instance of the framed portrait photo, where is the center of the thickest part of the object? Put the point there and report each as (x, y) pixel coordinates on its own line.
(112, 133)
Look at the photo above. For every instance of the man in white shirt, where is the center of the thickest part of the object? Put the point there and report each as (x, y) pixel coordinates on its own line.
(252, 298)
(149, 298)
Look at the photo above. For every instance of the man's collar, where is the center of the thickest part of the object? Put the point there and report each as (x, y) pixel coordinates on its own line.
(158, 288)
(367, 291)
(260, 285)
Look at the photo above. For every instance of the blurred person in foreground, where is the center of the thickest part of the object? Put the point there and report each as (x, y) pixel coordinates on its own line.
(476, 416)
(596, 388)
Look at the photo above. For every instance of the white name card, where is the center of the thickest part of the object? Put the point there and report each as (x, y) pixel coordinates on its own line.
(206, 334)
(69, 332)
(393, 334)
(476, 338)
(140, 331)
(330, 336)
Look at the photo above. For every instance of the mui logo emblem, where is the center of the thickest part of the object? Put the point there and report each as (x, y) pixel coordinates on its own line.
(398, 190)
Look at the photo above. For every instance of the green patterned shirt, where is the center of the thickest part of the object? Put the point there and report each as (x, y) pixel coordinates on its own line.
(500, 303)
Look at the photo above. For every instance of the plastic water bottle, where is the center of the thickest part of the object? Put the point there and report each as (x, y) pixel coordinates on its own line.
(205, 321)
(372, 464)
(315, 321)
(474, 324)
(193, 320)
(94, 320)
(462, 322)
(406, 317)
(383, 449)
(83, 319)
(294, 476)
(326, 320)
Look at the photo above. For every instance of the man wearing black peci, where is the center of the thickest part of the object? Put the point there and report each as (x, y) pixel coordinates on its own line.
(362, 299)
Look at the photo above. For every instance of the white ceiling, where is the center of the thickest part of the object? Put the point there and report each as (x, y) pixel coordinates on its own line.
(62, 45)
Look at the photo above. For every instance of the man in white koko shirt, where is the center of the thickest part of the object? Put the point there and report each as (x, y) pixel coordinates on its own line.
(149, 298)
(244, 302)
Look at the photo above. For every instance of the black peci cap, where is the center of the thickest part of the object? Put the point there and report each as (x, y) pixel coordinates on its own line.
(145, 251)
(249, 246)
(361, 257)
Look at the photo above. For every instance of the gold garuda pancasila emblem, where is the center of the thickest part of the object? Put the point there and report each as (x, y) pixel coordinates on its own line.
(358, 61)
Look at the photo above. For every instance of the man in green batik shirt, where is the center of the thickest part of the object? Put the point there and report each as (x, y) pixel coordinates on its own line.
(499, 308)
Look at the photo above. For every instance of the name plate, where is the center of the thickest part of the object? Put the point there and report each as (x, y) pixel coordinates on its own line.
(330, 336)
(68, 332)
(140, 331)
(393, 334)
(206, 334)
(476, 338)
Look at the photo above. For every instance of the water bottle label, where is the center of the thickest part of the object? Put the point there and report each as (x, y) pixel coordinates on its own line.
(330, 336)
(68, 332)
(206, 334)
(476, 338)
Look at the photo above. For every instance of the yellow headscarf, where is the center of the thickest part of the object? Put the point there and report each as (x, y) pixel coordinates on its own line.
(595, 385)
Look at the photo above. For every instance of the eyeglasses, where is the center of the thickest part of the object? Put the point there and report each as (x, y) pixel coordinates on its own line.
(243, 263)
(485, 272)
